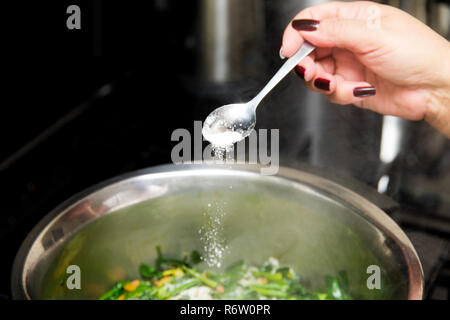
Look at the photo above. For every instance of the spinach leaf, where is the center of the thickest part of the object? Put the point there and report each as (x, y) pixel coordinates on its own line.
(196, 258)
(147, 271)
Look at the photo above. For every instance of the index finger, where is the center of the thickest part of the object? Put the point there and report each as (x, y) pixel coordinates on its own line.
(292, 40)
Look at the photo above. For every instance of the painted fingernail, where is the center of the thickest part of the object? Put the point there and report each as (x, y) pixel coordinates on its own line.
(300, 71)
(361, 92)
(282, 56)
(305, 25)
(322, 84)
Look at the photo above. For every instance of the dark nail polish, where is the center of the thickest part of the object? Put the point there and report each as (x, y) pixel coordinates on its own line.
(322, 84)
(364, 92)
(300, 71)
(305, 25)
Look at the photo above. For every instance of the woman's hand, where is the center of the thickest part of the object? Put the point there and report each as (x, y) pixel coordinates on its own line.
(375, 57)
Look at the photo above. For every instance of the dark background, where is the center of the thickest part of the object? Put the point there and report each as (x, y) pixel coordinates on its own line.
(81, 106)
(70, 119)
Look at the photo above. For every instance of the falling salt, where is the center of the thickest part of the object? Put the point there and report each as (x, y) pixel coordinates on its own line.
(212, 234)
(212, 231)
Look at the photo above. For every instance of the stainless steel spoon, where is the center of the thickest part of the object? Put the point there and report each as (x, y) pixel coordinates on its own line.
(233, 122)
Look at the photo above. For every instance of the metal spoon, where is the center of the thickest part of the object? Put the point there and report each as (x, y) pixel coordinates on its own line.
(233, 122)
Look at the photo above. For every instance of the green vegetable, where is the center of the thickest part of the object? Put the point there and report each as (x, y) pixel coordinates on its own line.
(163, 263)
(196, 257)
(114, 292)
(205, 280)
(276, 293)
(174, 279)
(147, 271)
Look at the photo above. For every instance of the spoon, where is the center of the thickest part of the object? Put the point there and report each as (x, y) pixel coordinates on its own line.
(233, 122)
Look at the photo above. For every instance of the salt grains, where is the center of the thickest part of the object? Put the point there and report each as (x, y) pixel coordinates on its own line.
(212, 231)
(212, 234)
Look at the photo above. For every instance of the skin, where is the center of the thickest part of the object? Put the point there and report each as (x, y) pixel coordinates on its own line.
(368, 44)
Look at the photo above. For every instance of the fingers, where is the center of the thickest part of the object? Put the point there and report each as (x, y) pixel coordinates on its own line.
(292, 40)
(337, 89)
(322, 81)
(306, 70)
(335, 24)
(351, 92)
(318, 75)
(337, 29)
(349, 34)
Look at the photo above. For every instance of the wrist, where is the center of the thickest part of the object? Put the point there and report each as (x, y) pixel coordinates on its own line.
(438, 108)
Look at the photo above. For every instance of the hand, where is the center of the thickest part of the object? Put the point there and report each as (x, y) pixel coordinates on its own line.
(376, 57)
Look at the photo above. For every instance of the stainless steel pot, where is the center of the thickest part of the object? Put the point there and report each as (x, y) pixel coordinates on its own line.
(315, 225)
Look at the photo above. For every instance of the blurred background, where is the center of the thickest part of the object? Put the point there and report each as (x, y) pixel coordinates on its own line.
(81, 106)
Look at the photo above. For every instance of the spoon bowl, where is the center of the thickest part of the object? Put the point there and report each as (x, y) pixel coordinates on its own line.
(229, 124)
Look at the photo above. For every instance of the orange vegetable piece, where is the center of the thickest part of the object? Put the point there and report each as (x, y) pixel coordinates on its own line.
(131, 286)
(220, 289)
(163, 281)
(262, 280)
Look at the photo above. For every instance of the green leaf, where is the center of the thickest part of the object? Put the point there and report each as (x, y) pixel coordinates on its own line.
(114, 293)
(147, 271)
(196, 257)
(334, 291)
(284, 271)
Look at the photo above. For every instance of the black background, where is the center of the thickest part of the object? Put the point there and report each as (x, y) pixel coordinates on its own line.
(279, 309)
(54, 75)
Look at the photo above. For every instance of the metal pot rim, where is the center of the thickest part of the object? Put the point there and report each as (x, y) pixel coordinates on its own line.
(370, 211)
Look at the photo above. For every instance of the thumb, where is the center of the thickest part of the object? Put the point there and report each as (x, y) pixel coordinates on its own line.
(358, 36)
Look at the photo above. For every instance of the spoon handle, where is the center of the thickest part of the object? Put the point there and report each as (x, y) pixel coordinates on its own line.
(302, 53)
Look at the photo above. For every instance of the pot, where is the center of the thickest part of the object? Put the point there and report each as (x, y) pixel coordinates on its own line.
(316, 226)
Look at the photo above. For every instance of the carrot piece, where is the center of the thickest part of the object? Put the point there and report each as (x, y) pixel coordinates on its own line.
(131, 286)
(262, 280)
(220, 289)
(163, 281)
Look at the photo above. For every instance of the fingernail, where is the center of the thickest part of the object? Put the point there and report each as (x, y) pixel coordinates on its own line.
(364, 92)
(322, 84)
(300, 71)
(281, 54)
(305, 25)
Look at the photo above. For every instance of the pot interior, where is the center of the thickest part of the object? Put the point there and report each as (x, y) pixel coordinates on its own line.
(304, 227)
